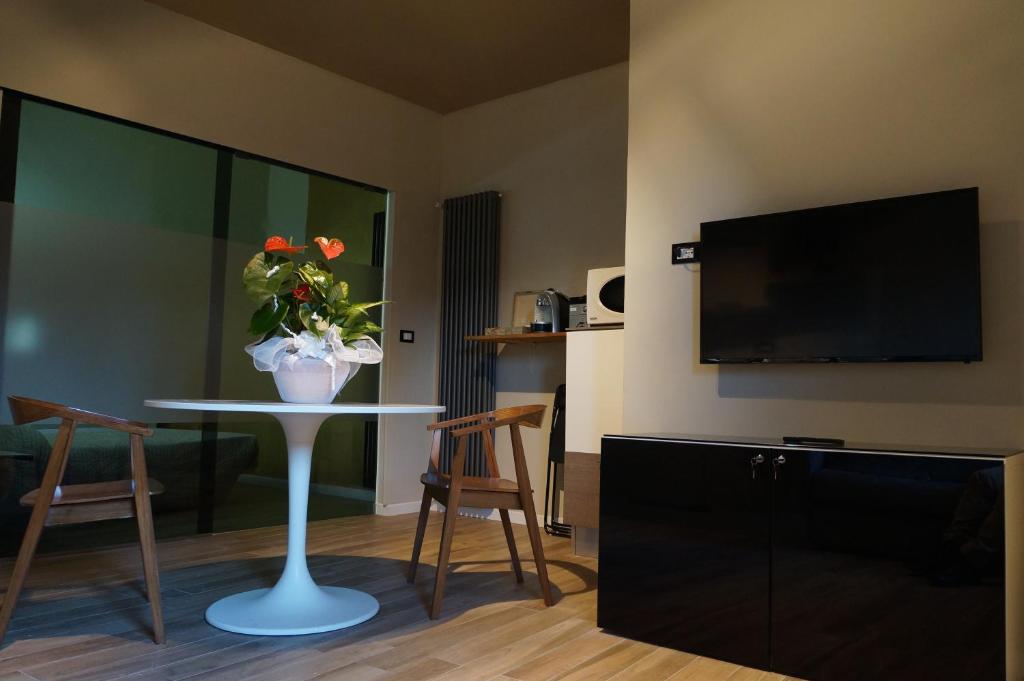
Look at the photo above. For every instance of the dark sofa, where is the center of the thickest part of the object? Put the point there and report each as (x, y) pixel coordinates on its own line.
(97, 454)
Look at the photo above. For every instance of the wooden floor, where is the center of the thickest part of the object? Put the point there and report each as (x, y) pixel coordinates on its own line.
(83, 616)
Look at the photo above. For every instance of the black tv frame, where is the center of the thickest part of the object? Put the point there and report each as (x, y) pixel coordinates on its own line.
(966, 359)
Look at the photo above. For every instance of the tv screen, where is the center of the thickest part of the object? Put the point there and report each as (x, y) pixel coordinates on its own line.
(893, 280)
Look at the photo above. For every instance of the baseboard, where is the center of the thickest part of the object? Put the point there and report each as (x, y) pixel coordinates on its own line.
(354, 493)
(517, 517)
(399, 508)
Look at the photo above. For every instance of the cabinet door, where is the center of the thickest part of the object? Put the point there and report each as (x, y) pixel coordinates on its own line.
(887, 567)
(684, 556)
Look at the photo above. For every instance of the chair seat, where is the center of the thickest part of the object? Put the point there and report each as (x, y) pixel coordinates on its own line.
(92, 492)
(471, 484)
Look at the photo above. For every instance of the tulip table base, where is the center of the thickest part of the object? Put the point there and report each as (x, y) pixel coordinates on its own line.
(296, 605)
(286, 610)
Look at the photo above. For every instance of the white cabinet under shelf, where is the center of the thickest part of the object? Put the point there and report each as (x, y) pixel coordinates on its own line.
(593, 407)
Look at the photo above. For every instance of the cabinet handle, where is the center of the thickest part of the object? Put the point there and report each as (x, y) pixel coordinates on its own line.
(755, 461)
(776, 463)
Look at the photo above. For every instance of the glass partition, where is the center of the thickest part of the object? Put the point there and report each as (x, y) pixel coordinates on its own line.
(124, 283)
(266, 200)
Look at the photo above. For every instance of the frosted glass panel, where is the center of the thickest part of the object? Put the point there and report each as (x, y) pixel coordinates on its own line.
(345, 211)
(111, 292)
(94, 168)
(268, 200)
(99, 317)
(108, 304)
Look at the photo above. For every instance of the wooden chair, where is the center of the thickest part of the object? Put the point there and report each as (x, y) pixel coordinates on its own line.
(456, 489)
(56, 504)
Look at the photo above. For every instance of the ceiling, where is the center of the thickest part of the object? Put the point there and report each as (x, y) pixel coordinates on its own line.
(441, 54)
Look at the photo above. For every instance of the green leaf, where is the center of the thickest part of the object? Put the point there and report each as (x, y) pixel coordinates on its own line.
(365, 328)
(320, 281)
(356, 310)
(264, 276)
(306, 317)
(267, 317)
(338, 292)
(358, 330)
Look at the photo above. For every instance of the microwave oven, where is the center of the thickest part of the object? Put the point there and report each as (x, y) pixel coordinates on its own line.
(606, 292)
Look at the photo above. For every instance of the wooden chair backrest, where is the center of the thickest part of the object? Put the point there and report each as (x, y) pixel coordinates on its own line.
(26, 410)
(486, 423)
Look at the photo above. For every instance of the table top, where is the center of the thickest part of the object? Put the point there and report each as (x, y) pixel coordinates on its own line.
(295, 408)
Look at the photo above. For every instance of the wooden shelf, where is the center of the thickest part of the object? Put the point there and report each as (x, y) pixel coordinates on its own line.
(538, 337)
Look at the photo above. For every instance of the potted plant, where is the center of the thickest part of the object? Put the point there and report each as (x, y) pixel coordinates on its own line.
(311, 336)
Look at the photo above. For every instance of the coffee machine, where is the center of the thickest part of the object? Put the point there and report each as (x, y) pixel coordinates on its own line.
(551, 311)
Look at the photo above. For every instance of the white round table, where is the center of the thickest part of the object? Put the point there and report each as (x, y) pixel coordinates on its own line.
(296, 605)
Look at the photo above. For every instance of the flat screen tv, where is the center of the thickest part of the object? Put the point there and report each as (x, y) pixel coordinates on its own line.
(893, 280)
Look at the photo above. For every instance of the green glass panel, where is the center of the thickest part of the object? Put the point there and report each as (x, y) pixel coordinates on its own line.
(345, 211)
(109, 288)
(95, 168)
(270, 200)
(266, 200)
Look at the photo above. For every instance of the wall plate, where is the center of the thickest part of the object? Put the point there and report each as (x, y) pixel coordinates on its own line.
(686, 252)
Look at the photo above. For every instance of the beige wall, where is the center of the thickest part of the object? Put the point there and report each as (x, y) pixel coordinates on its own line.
(136, 61)
(557, 154)
(748, 107)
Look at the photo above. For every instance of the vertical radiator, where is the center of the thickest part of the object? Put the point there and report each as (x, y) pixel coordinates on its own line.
(469, 304)
(370, 453)
(379, 228)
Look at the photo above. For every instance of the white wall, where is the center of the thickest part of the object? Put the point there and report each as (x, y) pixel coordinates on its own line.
(140, 62)
(747, 107)
(557, 154)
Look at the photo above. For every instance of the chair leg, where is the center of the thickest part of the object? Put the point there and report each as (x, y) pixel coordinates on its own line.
(442, 557)
(450, 512)
(151, 569)
(511, 539)
(526, 502)
(25, 555)
(421, 528)
(538, 554)
(51, 478)
(147, 537)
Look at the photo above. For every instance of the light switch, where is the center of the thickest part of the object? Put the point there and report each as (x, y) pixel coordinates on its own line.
(406, 336)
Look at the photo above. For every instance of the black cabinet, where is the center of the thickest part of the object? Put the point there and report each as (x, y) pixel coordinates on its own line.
(684, 552)
(830, 565)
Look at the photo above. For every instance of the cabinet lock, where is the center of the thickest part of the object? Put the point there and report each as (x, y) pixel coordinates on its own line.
(776, 463)
(755, 461)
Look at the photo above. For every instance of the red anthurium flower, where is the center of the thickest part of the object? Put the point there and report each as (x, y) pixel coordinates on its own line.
(332, 248)
(277, 244)
(302, 293)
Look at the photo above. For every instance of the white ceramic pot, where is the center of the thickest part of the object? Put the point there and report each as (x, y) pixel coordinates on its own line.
(308, 381)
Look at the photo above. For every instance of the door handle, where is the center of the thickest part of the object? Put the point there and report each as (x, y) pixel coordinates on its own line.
(778, 461)
(755, 461)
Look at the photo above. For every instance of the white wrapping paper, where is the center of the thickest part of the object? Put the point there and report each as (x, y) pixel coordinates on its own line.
(276, 352)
